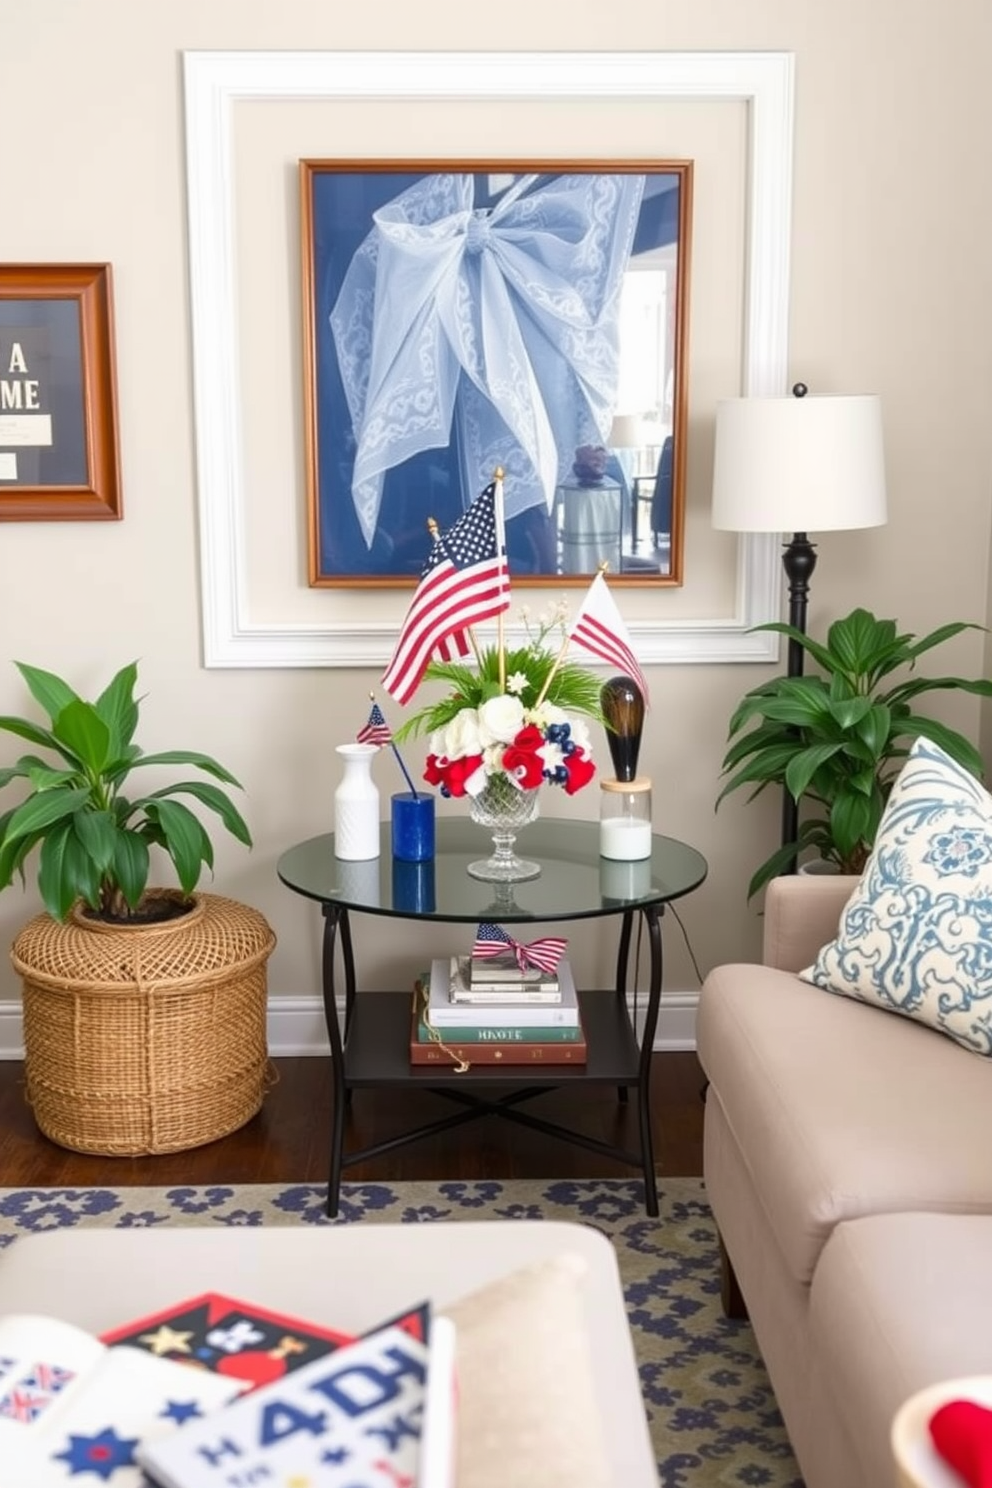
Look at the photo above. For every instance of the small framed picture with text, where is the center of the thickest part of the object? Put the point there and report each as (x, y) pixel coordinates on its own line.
(59, 457)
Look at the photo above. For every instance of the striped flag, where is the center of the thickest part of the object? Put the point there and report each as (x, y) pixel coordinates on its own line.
(600, 628)
(48, 1377)
(492, 940)
(377, 730)
(23, 1406)
(465, 580)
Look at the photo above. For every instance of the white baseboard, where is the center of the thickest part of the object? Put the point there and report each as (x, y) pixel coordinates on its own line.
(296, 1025)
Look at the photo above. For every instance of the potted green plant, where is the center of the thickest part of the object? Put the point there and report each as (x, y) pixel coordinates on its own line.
(835, 740)
(144, 1008)
(94, 840)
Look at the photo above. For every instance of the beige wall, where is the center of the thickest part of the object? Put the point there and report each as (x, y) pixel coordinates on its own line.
(891, 294)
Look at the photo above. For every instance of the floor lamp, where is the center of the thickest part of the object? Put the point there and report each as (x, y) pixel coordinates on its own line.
(627, 436)
(798, 464)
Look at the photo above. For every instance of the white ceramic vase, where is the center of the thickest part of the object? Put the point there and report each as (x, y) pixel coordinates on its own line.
(356, 804)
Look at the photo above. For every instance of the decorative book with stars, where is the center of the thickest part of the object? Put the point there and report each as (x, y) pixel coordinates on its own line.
(237, 1339)
(377, 1413)
(74, 1411)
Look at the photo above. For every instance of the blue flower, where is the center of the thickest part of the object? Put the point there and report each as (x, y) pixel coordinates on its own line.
(960, 850)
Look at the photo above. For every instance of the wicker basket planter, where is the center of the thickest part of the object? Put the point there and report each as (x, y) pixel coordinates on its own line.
(147, 1038)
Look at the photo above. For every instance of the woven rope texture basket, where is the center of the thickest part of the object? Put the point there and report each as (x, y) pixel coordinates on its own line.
(145, 1038)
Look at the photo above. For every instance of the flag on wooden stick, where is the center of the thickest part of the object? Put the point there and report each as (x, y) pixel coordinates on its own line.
(377, 731)
(465, 580)
(599, 627)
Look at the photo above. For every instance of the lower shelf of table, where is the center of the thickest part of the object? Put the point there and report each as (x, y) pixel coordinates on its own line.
(378, 1048)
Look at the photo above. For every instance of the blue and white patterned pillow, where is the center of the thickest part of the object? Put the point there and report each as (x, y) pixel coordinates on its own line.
(915, 937)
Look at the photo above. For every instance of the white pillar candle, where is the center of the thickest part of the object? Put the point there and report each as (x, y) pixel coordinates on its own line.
(624, 838)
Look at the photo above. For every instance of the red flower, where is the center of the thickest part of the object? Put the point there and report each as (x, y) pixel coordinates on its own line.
(580, 771)
(521, 759)
(449, 774)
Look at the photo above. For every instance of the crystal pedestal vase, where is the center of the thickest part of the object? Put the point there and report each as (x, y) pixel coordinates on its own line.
(504, 809)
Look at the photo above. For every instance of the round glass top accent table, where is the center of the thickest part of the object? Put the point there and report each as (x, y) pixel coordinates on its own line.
(371, 1045)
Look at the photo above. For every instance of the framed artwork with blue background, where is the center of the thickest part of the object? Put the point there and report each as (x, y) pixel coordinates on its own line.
(460, 317)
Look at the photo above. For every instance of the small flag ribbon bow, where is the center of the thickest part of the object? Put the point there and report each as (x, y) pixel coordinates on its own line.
(545, 953)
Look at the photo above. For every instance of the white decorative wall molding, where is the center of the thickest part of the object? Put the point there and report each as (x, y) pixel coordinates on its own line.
(216, 81)
(296, 1025)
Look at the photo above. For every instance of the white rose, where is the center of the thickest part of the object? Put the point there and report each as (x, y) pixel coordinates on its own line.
(459, 738)
(501, 719)
(477, 781)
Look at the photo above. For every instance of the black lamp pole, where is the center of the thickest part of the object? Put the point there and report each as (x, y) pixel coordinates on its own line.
(799, 561)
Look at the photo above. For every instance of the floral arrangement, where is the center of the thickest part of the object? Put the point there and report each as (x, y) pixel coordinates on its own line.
(516, 720)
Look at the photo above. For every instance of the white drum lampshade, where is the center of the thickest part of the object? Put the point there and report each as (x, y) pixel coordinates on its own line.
(798, 464)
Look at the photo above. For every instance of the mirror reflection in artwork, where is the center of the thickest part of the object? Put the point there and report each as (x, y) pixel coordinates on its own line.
(463, 318)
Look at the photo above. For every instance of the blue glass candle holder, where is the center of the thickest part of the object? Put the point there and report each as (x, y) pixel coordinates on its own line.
(413, 886)
(413, 826)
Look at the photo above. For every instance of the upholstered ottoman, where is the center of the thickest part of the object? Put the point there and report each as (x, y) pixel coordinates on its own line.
(353, 1276)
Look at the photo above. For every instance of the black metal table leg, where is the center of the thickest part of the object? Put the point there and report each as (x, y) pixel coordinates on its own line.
(652, 918)
(623, 956)
(335, 916)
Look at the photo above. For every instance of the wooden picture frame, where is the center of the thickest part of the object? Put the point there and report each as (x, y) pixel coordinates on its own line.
(59, 455)
(434, 427)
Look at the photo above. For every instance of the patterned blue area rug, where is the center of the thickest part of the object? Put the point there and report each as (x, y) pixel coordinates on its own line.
(713, 1417)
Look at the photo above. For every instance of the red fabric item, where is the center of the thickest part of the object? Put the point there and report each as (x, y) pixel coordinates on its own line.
(962, 1433)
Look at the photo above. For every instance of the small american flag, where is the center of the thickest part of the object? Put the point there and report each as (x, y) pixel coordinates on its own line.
(465, 580)
(599, 627)
(492, 940)
(377, 730)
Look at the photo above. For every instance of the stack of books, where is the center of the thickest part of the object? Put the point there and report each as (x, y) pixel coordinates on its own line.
(468, 1012)
(481, 979)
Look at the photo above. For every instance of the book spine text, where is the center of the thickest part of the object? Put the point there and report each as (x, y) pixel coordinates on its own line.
(560, 1053)
(501, 1033)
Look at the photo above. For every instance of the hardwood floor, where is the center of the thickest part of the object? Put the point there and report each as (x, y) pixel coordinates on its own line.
(288, 1141)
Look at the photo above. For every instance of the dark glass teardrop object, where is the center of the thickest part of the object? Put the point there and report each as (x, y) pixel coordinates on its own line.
(622, 702)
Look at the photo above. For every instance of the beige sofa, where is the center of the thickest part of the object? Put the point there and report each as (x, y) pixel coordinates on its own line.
(849, 1166)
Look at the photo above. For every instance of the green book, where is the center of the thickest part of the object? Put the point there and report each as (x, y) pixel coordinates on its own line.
(500, 1033)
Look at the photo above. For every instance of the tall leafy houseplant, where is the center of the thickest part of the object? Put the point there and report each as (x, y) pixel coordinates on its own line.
(837, 740)
(94, 839)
